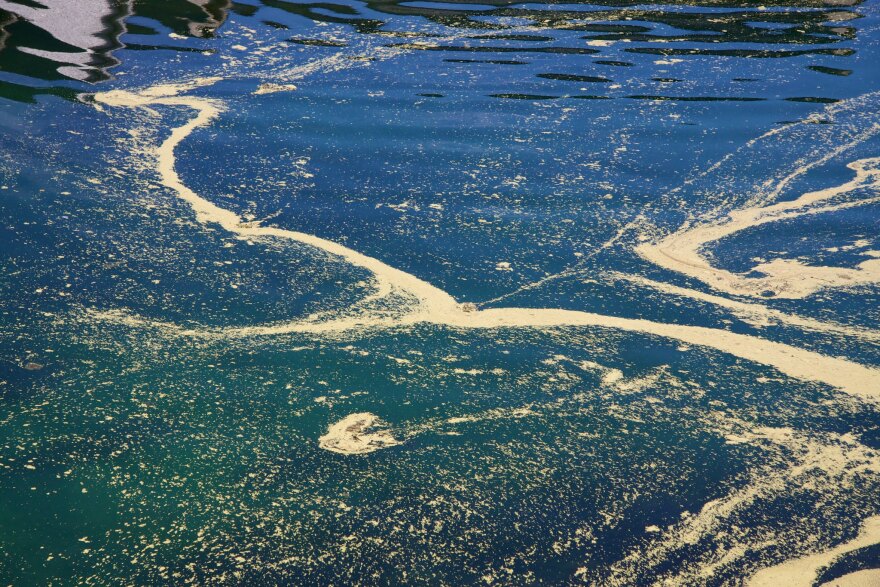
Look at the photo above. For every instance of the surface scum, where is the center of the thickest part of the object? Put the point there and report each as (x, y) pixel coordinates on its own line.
(416, 301)
(401, 300)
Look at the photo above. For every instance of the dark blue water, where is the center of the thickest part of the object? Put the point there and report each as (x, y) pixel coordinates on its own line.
(510, 154)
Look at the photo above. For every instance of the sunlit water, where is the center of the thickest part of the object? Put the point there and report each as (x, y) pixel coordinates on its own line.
(439, 293)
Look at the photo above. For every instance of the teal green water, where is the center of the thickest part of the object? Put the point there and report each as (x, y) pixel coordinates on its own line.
(512, 155)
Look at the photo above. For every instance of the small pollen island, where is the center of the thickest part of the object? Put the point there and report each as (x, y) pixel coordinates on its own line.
(357, 434)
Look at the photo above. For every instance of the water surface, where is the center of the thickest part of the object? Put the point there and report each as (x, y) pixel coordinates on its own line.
(591, 288)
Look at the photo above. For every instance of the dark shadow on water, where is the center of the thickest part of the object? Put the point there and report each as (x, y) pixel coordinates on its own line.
(567, 77)
(830, 70)
(491, 61)
(523, 96)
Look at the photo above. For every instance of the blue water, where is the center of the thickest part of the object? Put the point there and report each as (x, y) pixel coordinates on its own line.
(513, 155)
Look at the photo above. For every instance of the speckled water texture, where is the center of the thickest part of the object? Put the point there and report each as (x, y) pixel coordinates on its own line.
(440, 293)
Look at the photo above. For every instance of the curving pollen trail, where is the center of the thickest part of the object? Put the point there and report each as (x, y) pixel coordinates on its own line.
(401, 299)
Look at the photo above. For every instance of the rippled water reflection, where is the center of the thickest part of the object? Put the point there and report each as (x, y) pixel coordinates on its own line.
(45, 42)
